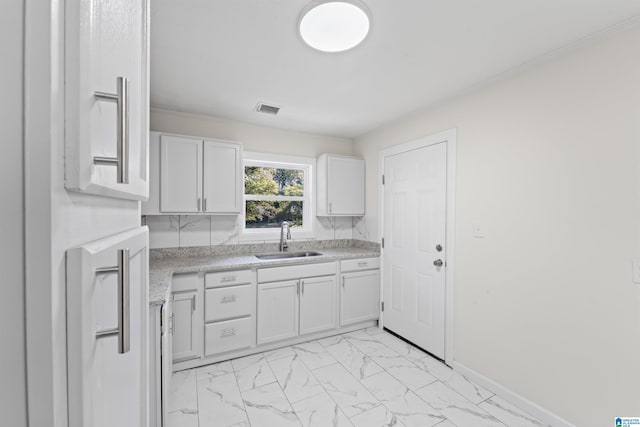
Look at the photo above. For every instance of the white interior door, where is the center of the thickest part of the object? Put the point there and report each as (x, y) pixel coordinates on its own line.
(106, 377)
(414, 231)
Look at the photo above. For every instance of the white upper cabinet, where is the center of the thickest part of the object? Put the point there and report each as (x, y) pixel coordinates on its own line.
(193, 175)
(107, 98)
(222, 179)
(340, 188)
(180, 174)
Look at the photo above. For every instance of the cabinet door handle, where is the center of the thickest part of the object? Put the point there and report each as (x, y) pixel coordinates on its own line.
(343, 282)
(298, 288)
(227, 333)
(204, 205)
(228, 298)
(198, 204)
(228, 278)
(124, 325)
(330, 207)
(363, 264)
(121, 161)
(302, 285)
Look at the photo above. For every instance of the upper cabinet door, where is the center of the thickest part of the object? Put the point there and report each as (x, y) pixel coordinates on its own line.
(340, 186)
(222, 183)
(107, 97)
(180, 174)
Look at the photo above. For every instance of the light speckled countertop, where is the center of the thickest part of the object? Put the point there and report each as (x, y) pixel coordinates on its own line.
(165, 262)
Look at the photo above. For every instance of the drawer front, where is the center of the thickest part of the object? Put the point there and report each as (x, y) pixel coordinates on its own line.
(228, 335)
(224, 303)
(293, 272)
(359, 264)
(228, 278)
(184, 282)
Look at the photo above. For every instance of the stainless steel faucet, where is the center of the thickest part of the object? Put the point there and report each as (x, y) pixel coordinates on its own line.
(283, 240)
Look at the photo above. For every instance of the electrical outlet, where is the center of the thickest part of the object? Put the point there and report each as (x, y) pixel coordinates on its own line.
(635, 262)
(478, 231)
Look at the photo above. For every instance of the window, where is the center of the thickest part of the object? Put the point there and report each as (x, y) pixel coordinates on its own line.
(276, 189)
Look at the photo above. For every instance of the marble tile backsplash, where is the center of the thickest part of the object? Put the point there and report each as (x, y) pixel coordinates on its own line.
(180, 231)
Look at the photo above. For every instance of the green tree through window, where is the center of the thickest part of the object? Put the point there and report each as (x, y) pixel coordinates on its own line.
(273, 195)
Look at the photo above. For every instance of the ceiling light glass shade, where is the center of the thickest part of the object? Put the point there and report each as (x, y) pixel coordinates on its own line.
(334, 26)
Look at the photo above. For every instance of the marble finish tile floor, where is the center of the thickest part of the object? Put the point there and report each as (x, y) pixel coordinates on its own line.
(366, 378)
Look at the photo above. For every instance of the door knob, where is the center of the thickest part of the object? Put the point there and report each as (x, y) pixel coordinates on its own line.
(438, 263)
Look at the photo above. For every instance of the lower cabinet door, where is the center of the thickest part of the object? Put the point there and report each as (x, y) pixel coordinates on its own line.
(187, 330)
(228, 335)
(277, 311)
(318, 304)
(360, 297)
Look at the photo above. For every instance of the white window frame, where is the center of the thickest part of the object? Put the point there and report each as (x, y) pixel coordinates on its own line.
(306, 164)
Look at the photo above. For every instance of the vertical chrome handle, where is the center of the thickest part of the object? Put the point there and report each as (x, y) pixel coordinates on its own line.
(124, 315)
(121, 161)
(124, 318)
(204, 205)
(198, 204)
(298, 288)
(193, 303)
(302, 285)
(343, 282)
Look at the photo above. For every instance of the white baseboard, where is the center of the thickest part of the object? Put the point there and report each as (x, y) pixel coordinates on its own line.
(512, 397)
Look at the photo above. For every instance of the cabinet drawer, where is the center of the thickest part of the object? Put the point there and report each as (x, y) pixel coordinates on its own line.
(227, 335)
(184, 282)
(293, 272)
(224, 303)
(359, 264)
(228, 278)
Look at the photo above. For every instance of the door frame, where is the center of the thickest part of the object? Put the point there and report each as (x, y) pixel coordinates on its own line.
(449, 138)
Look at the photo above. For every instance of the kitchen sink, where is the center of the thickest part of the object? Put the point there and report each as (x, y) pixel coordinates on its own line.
(285, 255)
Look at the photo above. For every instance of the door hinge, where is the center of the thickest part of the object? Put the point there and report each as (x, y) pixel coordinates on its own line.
(382, 305)
(382, 242)
(383, 179)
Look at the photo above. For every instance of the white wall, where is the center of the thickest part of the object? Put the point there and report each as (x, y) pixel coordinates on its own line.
(13, 390)
(188, 230)
(548, 162)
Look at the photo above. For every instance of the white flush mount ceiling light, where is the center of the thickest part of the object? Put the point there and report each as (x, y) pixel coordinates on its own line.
(334, 26)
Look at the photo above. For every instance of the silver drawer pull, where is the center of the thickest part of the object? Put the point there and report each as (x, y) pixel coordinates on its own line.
(123, 329)
(228, 278)
(227, 333)
(121, 161)
(228, 298)
(363, 264)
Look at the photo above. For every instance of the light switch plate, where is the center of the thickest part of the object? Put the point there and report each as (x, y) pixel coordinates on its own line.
(478, 231)
(636, 270)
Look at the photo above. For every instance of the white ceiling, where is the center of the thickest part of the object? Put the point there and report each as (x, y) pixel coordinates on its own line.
(222, 57)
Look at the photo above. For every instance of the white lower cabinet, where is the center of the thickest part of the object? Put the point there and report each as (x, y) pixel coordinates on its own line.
(278, 305)
(230, 306)
(298, 304)
(359, 291)
(317, 304)
(220, 337)
(187, 326)
(226, 314)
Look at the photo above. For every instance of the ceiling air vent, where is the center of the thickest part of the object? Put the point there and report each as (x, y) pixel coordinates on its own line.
(267, 109)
